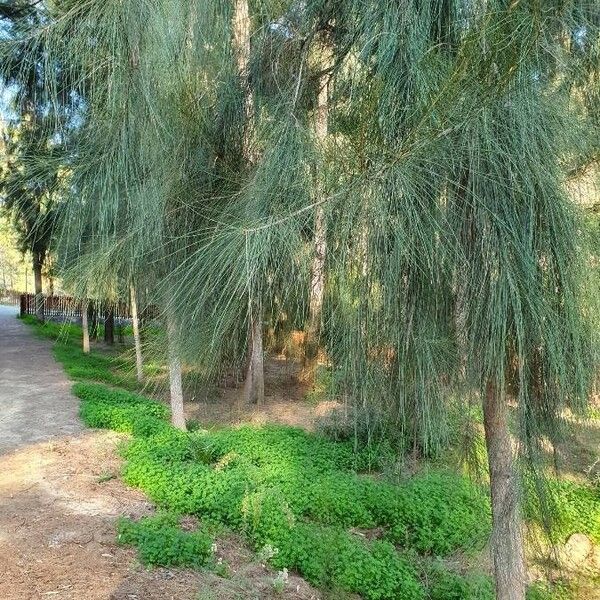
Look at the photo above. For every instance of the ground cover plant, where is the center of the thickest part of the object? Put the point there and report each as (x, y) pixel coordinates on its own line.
(297, 493)
(160, 541)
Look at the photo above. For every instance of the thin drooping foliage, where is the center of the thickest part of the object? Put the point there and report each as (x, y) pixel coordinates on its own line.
(456, 263)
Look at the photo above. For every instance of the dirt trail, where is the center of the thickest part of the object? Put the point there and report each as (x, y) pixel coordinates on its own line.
(35, 402)
(60, 499)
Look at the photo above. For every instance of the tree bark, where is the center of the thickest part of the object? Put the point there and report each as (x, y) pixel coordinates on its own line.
(84, 327)
(254, 386)
(317, 289)
(317, 280)
(38, 263)
(93, 320)
(241, 45)
(139, 363)
(109, 326)
(175, 381)
(507, 535)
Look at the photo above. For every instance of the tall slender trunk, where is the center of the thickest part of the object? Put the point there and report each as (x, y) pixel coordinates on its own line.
(317, 280)
(139, 363)
(254, 386)
(241, 44)
(38, 263)
(317, 289)
(175, 380)
(507, 534)
(84, 327)
(109, 325)
(93, 319)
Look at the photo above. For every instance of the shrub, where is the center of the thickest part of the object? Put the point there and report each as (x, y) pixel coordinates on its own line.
(160, 541)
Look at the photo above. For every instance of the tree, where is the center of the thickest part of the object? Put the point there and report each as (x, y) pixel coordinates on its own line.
(30, 194)
(33, 173)
(109, 324)
(10, 257)
(455, 257)
(135, 320)
(254, 386)
(321, 125)
(85, 330)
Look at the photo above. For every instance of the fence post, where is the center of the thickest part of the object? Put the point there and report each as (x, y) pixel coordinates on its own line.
(22, 305)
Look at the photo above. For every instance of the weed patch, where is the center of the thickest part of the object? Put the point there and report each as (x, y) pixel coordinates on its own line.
(293, 491)
(160, 541)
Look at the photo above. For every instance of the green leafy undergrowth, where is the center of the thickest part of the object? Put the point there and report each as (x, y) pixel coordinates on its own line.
(557, 590)
(93, 366)
(120, 410)
(298, 493)
(573, 507)
(444, 584)
(160, 541)
(577, 508)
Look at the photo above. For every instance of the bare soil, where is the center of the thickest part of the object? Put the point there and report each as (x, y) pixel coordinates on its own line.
(59, 502)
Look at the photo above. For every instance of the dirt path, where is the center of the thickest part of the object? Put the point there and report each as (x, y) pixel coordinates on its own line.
(35, 403)
(60, 498)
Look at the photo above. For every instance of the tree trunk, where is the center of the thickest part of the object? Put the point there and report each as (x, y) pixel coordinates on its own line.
(84, 327)
(317, 288)
(317, 280)
(139, 364)
(109, 326)
(93, 319)
(176, 386)
(254, 386)
(37, 275)
(507, 535)
(241, 45)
